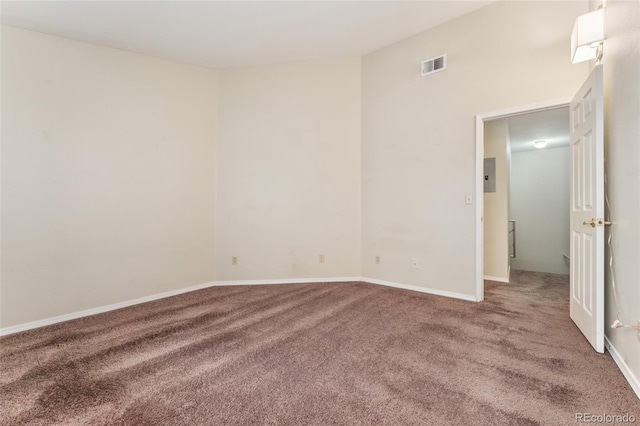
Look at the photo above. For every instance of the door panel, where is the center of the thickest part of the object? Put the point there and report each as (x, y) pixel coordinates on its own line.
(587, 208)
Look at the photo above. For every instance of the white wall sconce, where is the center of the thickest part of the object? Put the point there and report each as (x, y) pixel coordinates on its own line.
(540, 144)
(587, 37)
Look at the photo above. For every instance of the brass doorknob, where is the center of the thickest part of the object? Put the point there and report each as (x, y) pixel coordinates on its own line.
(596, 222)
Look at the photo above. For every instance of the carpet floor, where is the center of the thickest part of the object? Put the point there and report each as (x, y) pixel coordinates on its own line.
(316, 354)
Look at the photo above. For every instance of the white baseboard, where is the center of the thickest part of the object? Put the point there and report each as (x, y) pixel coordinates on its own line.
(626, 371)
(348, 279)
(499, 279)
(101, 309)
(622, 365)
(288, 281)
(469, 297)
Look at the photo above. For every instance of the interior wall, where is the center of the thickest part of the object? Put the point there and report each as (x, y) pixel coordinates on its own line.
(621, 66)
(540, 207)
(107, 176)
(496, 204)
(288, 171)
(418, 149)
(292, 153)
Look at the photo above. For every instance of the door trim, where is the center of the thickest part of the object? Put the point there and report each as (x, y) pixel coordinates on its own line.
(480, 119)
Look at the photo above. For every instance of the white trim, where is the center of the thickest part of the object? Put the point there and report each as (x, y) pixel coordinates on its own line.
(619, 360)
(480, 119)
(75, 315)
(479, 208)
(349, 279)
(525, 109)
(623, 366)
(289, 281)
(436, 292)
(101, 309)
(498, 279)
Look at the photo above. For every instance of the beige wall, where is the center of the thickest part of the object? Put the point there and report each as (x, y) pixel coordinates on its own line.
(496, 204)
(108, 163)
(288, 171)
(418, 154)
(621, 65)
(107, 176)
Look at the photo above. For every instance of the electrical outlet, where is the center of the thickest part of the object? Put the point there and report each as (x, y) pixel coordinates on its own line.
(321, 258)
(415, 264)
(234, 260)
(377, 260)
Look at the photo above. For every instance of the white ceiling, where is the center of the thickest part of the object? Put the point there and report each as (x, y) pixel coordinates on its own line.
(550, 125)
(236, 33)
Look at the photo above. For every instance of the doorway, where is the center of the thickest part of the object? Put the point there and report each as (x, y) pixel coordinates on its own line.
(518, 118)
(539, 191)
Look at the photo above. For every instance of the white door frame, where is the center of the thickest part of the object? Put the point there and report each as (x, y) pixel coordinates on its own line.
(480, 119)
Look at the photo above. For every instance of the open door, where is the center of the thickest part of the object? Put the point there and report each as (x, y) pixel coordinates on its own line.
(587, 210)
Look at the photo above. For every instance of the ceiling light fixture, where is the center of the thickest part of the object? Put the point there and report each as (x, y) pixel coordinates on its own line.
(540, 144)
(587, 37)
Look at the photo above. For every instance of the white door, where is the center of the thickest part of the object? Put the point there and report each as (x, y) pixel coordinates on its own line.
(587, 210)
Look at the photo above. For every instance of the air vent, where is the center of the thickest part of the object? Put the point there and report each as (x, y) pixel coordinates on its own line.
(432, 65)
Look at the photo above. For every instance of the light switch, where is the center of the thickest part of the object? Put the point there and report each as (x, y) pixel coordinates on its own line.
(468, 198)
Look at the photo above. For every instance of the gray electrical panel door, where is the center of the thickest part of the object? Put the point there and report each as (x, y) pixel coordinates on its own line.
(490, 174)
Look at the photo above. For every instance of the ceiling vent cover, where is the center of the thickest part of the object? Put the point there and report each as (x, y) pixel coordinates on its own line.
(432, 65)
